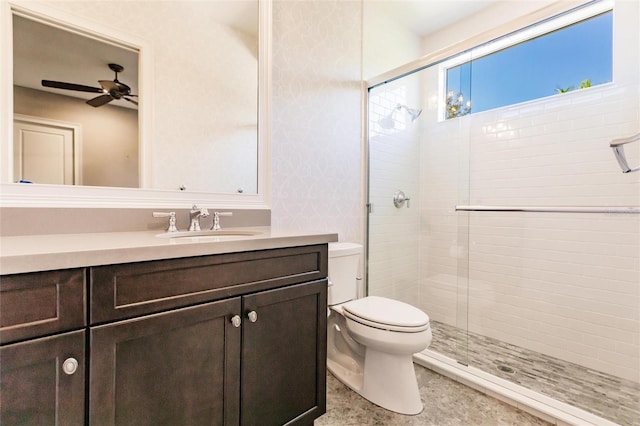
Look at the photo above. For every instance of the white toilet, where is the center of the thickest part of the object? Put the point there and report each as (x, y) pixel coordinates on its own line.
(370, 341)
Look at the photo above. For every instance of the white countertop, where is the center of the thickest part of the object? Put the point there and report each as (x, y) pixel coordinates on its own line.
(61, 251)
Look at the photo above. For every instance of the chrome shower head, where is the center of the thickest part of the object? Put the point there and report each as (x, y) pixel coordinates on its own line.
(413, 113)
(388, 122)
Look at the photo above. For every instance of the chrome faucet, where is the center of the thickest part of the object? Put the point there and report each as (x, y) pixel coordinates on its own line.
(194, 215)
(172, 220)
(216, 220)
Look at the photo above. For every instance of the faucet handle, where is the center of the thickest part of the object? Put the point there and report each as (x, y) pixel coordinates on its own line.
(172, 220)
(215, 226)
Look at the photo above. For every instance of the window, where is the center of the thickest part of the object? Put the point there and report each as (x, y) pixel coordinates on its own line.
(523, 67)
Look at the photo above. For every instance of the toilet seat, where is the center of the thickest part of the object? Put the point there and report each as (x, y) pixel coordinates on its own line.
(386, 314)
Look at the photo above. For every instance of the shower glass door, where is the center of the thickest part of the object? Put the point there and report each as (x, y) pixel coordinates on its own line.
(553, 228)
(416, 253)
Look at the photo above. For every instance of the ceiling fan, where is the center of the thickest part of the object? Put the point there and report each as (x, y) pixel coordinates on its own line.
(110, 89)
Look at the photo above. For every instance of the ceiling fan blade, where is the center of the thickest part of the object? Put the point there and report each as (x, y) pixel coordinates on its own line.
(131, 100)
(71, 86)
(100, 100)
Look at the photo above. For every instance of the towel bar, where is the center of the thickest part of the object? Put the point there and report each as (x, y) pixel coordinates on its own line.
(549, 209)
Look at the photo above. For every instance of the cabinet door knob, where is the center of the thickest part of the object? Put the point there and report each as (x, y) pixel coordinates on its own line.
(69, 366)
(236, 321)
(253, 316)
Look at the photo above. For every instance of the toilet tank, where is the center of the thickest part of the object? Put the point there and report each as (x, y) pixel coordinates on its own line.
(344, 259)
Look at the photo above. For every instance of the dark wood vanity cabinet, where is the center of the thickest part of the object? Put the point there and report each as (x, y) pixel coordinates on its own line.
(42, 352)
(223, 339)
(193, 366)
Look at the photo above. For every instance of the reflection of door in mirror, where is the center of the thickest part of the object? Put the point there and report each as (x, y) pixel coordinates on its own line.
(73, 64)
(45, 151)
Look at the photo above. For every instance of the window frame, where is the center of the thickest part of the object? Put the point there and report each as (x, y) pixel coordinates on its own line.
(525, 34)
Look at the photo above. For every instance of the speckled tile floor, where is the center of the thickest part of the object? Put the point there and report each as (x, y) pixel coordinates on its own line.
(446, 403)
(602, 394)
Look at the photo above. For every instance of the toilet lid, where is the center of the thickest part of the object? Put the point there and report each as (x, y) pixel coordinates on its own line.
(383, 311)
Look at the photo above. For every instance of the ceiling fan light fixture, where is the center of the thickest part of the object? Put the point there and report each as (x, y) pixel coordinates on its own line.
(110, 89)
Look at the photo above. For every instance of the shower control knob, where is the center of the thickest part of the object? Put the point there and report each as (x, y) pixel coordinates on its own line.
(253, 316)
(400, 199)
(69, 366)
(236, 321)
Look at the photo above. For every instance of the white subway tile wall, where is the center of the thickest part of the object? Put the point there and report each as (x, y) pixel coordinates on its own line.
(394, 164)
(566, 285)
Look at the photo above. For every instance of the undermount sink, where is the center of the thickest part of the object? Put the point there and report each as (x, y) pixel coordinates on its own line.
(209, 234)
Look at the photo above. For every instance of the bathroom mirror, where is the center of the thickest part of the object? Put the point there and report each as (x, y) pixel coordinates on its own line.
(202, 115)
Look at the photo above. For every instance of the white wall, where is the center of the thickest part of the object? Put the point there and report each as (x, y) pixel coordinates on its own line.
(489, 20)
(387, 43)
(316, 107)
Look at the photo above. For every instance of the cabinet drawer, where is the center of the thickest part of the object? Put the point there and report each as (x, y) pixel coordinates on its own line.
(41, 303)
(127, 290)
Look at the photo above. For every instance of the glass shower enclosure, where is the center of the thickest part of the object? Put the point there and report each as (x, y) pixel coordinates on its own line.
(517, 232)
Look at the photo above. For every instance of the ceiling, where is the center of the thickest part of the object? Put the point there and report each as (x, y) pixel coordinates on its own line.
(424, 17)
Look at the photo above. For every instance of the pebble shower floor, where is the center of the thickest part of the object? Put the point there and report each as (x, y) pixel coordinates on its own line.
(604, 395)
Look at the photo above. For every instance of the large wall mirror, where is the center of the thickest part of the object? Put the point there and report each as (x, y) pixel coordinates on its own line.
(142, 104)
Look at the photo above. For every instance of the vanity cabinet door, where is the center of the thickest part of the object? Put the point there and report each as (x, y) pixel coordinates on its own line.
(40, 382)
(179, 367)
(284, 355)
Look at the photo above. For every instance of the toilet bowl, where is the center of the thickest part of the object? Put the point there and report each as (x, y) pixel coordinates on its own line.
(371, 341)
